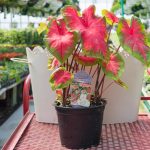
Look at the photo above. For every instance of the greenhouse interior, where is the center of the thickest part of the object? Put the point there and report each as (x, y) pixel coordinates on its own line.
(75, 74)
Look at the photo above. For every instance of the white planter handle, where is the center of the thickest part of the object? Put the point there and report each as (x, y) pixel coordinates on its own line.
(20, 60)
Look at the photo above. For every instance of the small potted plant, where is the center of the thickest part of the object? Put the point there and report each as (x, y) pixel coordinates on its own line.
(81, 45)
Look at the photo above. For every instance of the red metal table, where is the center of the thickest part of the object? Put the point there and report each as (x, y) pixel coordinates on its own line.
(32, 135)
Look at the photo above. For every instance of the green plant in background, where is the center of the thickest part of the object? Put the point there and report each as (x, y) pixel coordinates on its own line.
(28, 36)
(12, 71)
(15, 41)
(34, 7)
(139, 8)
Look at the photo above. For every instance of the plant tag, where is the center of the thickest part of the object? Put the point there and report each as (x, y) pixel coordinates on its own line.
(83, 101)
(81, 89)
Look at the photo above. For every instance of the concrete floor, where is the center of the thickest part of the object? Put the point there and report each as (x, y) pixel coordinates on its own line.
(11, 123)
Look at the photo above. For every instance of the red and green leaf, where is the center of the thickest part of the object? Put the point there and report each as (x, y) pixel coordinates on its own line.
(113, 66)
(110, 17)
(133, 39)
(53, 63)
(86, 60)
(60, 78)
(92, 29)
(61, 41)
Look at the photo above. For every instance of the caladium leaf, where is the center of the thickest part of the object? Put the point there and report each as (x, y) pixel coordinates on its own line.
(61, 41)
(53, 63)
(92, 29)
(110, 17)
(60, 78)
(133, 39)
(113, 66)
(86, 60)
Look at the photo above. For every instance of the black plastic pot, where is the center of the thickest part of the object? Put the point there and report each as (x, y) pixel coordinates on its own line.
(80, 127)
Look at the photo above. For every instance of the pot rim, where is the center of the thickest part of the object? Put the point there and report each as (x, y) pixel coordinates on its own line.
(76, 107)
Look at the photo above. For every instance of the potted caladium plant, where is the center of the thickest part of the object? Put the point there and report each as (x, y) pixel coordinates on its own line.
(80, 41)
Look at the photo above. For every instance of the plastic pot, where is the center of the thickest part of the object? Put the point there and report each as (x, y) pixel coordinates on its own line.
(80, 127)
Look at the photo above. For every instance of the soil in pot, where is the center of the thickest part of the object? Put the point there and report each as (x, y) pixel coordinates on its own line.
(80, 127)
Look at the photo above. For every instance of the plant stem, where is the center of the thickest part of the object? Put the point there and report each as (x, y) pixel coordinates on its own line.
(94, 71)
(117, 49)
(100, 83)
(64, 97)
(68, 89)
(79, 51)
(67, 65)
(97, 79)
(110, 32)
(90, 70)
(77, 66)
(102, 87)
(73, 67)
(74, 56)
(82, 67)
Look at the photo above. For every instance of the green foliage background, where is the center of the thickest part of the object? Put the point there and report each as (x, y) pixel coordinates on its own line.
(28, 36)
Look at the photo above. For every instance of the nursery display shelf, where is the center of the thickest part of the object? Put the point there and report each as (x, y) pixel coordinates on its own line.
(31, 134)
(13, 84)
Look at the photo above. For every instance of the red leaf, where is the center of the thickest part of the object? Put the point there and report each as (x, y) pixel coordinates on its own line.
(61, 42)
(92, 28)
(133, 38)
(85, 60)
(114, 66)
(60, 78)
(73, 19)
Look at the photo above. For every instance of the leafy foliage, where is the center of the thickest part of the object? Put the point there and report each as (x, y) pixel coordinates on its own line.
(133, 39)
(110, 17)
(90, 27)
(93, 47)
(12, 72)
(35, 7)
(113, 67)
(27, 36)
(85, 60)
(61, 41)
(60, 78)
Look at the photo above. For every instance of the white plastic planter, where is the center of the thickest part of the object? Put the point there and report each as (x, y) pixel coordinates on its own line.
(122, 105)
(43, 95)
